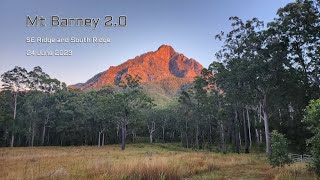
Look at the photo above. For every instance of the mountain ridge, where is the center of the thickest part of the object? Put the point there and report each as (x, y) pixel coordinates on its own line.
(164, 68)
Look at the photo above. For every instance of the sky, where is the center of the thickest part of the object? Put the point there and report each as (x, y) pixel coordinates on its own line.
(189, 26)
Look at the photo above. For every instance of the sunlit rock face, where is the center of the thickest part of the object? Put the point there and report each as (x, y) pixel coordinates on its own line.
(164, 68)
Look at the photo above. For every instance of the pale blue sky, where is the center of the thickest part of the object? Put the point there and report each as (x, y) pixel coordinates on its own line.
(188, 26)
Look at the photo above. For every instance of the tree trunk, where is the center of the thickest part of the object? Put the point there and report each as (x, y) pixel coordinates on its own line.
(239, 135)
(266, 125)
(133, 136)
(151, 129)
(124, 134)
(32, 137)
(102, 139)
(172, 136)
(223, 143)
(257, 136)
(48, 138)
(14, 118)
(187, 144)
(150, 137)
(99, 139)
(210, 134)
(249, 128)
(260, 121)
(236, 122)
(256, 127)
(245, 132)
(197, 135)
(19, 141)
(43, 134)
(44, 129)
(118, 129)
(163, 133)
(5, 135)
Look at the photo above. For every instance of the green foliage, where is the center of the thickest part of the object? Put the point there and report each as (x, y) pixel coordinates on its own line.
(315, 150)
(312, 119)
(279, 150)
(312, 116)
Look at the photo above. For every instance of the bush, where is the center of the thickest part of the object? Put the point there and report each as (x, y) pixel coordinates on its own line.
(279, 150)
(315, 150)
(312, 119)
(312, 116)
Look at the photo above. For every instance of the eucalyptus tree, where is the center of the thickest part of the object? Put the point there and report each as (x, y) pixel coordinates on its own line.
(32, 112)
(129, 101)
(71, 119)
(16, 81)
(42, 82)
(186, 111)
(165, 116)
(297, 29)
(151, 121)
(5, 116)
(298, 25)
(235, 75)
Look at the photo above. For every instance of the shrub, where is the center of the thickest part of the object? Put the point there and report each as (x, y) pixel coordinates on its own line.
(312, 119)
(315, 150)
(279, 150)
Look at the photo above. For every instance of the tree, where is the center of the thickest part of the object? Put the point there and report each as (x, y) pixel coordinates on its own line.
(40, 81)
(315, 163)
(296, 30)
(151, 124)
(279, 150)
(5, 116)
(312, 116)
(165, 116)
(15, 81)
(312, 119)
(33, 108)
(298, 25)
(244, 56)
(128, 102)
(186, 105)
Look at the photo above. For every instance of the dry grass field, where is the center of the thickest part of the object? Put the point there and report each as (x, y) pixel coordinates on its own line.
(140, 161)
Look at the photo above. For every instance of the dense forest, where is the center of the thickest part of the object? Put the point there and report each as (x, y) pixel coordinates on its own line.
(265, 77)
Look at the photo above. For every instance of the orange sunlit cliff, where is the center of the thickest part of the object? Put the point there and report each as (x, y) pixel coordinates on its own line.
(162, 70)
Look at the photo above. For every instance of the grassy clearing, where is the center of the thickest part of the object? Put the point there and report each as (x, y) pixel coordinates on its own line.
(139, 161)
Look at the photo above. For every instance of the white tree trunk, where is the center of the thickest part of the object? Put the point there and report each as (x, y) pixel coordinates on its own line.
(249, 128)
(14, 117)
(102, 139)
(99, 139)
(257, 136)
(150, 137)
(124, 133)
(266, 125)
(43, 134)
(151, 129)
(223, 142)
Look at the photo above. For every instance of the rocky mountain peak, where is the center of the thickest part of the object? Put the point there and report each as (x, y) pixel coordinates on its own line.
(164, 65)
(165, 51)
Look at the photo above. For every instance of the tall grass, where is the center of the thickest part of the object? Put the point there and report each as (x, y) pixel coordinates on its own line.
(138, 162)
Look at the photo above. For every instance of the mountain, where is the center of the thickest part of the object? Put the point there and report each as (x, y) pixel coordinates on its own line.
(163, 72)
